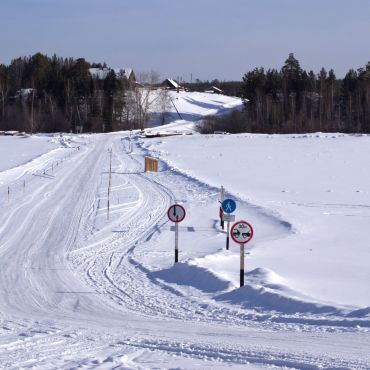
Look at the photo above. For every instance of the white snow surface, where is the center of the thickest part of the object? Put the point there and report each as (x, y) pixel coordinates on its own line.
(316, 185)
(185, 109)
(32, 146)
(79, 290)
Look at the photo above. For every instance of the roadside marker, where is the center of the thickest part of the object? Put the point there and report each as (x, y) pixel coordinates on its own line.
(222, 198)
(176, 213)
(241, 233)
(110, 179)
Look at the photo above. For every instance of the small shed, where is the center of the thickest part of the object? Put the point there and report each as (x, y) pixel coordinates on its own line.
(151, 164)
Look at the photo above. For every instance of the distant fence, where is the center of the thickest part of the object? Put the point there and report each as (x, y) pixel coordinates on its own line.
(151, 164)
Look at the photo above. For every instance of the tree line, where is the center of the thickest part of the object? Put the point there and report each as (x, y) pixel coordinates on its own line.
(293, 100)
(41, 93)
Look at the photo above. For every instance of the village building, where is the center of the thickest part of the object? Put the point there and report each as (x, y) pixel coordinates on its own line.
(170, 84)
(214, 90)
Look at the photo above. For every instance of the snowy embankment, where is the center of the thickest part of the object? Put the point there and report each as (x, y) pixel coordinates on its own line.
(318, 186)
(183, 109)
(23, 158)
(31, 147)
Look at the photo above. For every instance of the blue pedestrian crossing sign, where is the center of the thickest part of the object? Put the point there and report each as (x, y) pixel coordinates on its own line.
(228, 206)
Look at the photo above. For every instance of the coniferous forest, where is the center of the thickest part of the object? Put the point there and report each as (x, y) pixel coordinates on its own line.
(41, 93)
(293, 100)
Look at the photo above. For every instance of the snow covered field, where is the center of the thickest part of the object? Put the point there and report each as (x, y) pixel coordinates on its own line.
(32, 147)
(318, 186)
(79, 290)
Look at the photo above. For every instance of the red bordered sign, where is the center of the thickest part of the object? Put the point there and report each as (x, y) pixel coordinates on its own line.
(176, 213)
(241, 232)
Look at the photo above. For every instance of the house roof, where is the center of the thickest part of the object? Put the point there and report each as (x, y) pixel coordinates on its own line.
(171, 82)
(216, 88)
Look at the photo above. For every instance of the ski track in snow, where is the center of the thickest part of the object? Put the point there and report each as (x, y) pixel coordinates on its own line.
(76, 289)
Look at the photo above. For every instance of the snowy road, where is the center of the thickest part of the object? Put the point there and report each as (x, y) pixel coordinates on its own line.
(78, 290)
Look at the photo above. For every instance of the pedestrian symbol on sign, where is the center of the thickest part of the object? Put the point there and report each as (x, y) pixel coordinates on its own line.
(228, 205)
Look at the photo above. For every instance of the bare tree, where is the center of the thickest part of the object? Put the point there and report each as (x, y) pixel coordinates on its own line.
(140, 98)
(4, 89)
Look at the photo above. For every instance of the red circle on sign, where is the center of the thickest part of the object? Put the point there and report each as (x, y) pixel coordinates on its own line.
(174, 215)
(236, 232)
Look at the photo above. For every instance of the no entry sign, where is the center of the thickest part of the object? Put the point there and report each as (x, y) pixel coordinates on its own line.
(241, 232)
(176, 213)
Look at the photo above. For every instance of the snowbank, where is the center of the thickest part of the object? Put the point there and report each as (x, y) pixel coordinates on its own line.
(317, 183)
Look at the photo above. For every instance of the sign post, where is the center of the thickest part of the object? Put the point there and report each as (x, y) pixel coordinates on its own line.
(110, 181)
(222, 198)
(242, 233)
(176, 213)
(228, 206)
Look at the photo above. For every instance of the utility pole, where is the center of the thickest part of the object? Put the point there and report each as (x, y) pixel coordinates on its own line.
(110, 180)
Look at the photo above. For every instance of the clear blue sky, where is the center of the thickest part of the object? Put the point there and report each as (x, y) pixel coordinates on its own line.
(208, 38)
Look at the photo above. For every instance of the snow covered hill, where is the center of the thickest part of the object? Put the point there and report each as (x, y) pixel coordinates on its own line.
(83, 289)
(184, 108)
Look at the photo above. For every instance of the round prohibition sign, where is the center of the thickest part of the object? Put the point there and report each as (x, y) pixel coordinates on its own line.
(241, 232)
(176, 213)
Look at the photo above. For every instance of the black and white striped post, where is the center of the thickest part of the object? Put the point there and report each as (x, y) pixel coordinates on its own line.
(222, 198)
(241, 232)
(176, 213)
(241, 265)
(110, 181)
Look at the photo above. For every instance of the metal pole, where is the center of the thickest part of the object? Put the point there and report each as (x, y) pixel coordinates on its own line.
(241, 265)
(24, 186)
(228, 235)
(176, 242)
(8, 193)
